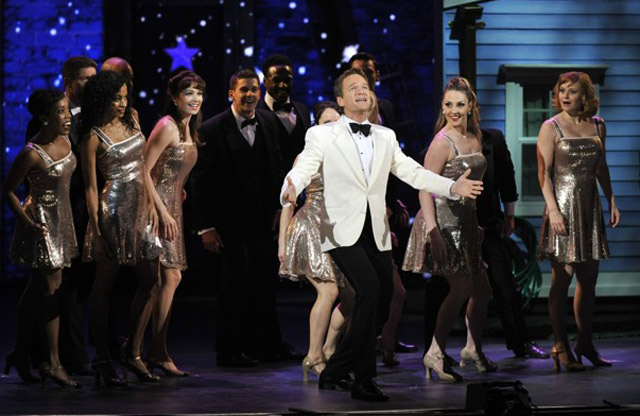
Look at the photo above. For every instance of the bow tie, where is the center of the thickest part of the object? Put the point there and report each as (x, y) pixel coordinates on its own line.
(362, 128)
(286, 107)
(249, 122)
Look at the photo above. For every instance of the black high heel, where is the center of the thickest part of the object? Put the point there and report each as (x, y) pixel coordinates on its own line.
(137, 367)
(22, 366)
(106, 371)
(47, 371)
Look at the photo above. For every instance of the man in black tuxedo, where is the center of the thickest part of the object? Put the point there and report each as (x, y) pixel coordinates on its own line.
(499, 185)
(293, 115)
(236, 183)
(76, 71)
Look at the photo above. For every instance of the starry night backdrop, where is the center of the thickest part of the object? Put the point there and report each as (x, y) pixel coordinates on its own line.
(215, 39)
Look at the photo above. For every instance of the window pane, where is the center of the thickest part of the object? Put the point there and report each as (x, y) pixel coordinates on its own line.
(531, 123)
(537, 96)
(530, 187)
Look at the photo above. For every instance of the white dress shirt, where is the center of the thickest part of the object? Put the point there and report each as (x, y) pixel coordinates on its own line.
(248, 132)
(364, 145)
(287, 119)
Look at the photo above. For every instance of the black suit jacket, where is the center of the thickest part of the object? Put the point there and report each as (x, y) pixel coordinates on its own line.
(291, 144)
(499, 182)
(388, 114)
(222, 180)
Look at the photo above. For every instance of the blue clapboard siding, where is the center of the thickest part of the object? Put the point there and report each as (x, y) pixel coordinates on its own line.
(572, 32)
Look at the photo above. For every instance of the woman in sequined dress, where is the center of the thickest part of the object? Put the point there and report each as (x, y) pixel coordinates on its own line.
(301, 258)
(170, 155)
(122, 220)
(571, 160)
(44, 238)
(445, 238)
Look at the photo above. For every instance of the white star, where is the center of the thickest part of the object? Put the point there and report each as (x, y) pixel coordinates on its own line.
(181, 55)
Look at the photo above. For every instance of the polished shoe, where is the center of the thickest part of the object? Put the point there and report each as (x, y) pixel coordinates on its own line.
(483, 364)
(309, 365)
(368, 390)
(530, 350)
(58, 375)
(286, 352)
(439, 364)
(106, 370)
(592, 355)
(389, 358)
(22, 366)
(565, 358)
(326, 382)
(80, 369)
(236, 359)
(137, 367)
(404, 347)
(166, 367)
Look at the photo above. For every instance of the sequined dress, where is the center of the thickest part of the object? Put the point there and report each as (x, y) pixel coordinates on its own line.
(458, 224)
(169, 176)
(303, 254)
(575, 187)
(123, 208)
(48, 202)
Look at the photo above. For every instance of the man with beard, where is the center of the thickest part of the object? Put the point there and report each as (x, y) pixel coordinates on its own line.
(235, 187)
(293, 115)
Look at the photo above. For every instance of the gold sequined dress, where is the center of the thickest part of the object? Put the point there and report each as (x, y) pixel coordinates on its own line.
(575, 161)
(48, 202)
(458, 224)
(303, 254)
(123, 210)
(169, 175)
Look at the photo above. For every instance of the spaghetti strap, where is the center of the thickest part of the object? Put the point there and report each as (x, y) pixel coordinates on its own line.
(596, 121)
(102, 136)
(39, 150)
(453, 146)
(557, 127)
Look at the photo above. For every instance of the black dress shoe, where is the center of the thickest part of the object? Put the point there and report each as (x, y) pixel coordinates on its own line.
(404, 347)
(368, 390)
(236, 359)
(326, 382)
(530, 350)
(287, 352)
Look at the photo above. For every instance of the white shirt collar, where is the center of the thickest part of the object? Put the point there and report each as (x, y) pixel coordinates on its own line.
(238, 117)
(269, 100)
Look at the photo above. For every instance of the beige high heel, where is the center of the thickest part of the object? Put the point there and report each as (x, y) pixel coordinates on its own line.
(444, 371)
(309, 365)
(483, 364)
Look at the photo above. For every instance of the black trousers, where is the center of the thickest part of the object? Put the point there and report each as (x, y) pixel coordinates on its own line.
(369, 271)
(247, 319)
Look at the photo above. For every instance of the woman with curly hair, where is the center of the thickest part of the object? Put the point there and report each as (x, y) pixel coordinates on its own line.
(571, 160)
(122, 221)
(170, 155)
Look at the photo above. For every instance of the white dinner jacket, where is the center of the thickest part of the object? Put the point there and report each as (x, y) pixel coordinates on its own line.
(330, 149)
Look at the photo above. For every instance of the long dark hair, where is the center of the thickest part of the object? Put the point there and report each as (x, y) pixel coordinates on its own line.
(178, 83)
(99, 92)
(40, 104)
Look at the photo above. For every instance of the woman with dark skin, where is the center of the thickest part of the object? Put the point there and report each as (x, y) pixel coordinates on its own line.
(122, 220)
(44, 237)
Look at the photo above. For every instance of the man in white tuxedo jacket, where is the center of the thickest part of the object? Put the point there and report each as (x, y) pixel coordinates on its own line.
(355, 159)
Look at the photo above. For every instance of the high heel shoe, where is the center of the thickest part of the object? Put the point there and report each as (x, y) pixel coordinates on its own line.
(137, 367)
(107, 371)
(309, 365)
(163, 366)
(58, 375)
(593, 355)
(567, 360)
(22, 366)
(445, 373)
(483, 364)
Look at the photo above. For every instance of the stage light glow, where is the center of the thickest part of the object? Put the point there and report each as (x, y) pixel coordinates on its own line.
(142, 94)
(87, 47)
(203, 23)
(392, 17)
(242, 41)
(228, 51)
(248, 51)
(62, 20)
(53, 32)
(17, 29)
(349, 51)
(323, 35)
(281, 25)
(143, 19)
(302, 70)
(292, 5)
(305, 20)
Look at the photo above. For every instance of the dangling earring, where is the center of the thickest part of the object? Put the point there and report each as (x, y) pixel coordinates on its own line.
(469, 113)
(442, 111)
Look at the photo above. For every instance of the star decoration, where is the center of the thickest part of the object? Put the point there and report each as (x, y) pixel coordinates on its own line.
(181, 55)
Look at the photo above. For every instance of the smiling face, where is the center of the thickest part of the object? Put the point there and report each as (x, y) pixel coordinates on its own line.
(59, 118)
(245, 96)
(278, 81)
(570, 97)
(355, 96)
(189, 101)
(455, 106)
(120, 102)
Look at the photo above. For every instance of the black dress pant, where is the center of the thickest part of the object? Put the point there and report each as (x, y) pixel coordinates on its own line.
(369, 271)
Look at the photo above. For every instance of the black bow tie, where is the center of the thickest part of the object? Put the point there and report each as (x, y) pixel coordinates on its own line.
(362, 128)
(286, 107)
(248, 122)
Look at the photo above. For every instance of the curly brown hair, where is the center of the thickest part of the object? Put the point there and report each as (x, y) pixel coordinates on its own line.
(590, 101)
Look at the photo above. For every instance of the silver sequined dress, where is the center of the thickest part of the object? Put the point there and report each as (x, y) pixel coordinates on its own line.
(303, 254)
(169, 176)
(48, 202)
(575, 161)
(123, 211)
(458, 224)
